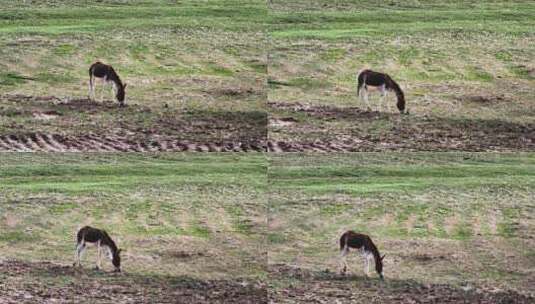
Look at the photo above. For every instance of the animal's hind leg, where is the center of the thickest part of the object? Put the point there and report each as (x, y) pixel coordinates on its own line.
(366, 97)
(91, 88)
(80, 247)
(343, 261)
(102, 88)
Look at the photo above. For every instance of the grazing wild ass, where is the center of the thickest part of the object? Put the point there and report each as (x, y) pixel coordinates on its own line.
(101, 239)
(108, 76)
(367, 248)
(369, 78)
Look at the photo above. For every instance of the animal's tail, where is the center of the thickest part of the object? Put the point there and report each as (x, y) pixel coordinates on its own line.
(361, 80)
(79, 236)
(343, 242)
(391, 84)
(90, 81)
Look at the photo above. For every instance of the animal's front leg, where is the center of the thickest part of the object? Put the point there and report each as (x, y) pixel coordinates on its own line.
(366, 266)
(98, 255)
(112, 90)
(381, 106)
(102, 89)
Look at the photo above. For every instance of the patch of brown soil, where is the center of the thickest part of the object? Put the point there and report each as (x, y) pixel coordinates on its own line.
(38, 283)
(282, 122)
(107, 126)
(326, 112)
(400, 132)
(183, 255)
(428, 257)
(46, 115)
(482, 99)
(233, 92)
(329, 287)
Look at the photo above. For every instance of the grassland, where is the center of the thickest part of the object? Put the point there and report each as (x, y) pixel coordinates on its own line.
(451, 225)
(192, 227)
(466, 68)
(188, 62)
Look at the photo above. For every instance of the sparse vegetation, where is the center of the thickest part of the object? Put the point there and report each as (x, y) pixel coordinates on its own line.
(179, 217)
(174, 56)
(457, 219)
(461, 63)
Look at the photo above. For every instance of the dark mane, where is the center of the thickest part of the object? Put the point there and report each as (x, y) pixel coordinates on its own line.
(115, 78)
(391, 84)
(106, 240)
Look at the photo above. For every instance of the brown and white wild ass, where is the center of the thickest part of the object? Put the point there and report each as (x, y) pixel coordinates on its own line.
(369, 78)
(101, 239)
(108, 76)
(367, 248)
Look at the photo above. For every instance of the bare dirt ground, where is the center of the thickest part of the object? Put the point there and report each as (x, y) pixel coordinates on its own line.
(44, 282)
(297, 127)
(47, 123)
(328, 287)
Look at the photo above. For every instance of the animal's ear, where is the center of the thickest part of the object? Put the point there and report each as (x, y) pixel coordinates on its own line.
(125, 86)
(383, 257)
(119, 251)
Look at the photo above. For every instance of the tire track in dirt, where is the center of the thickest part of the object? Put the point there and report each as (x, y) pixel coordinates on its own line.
(36, 142)
(281, 146)
(134, 128)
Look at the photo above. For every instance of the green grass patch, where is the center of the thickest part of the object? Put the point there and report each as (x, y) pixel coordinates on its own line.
(12, 79)
(419, 208)
(14, 237)
(152, 205)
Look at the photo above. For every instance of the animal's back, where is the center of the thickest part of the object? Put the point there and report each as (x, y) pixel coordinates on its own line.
(99, 69)
(89, 234)
(354, 240)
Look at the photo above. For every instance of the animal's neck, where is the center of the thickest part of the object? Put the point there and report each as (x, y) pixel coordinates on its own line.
(115, 78)
(392, 85)
(117, 82)
(107, 241)
(370, 246)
